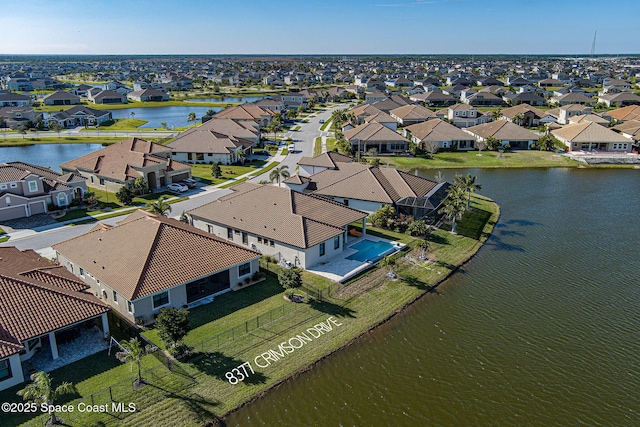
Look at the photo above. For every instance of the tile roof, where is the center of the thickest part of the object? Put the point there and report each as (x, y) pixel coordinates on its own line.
(280, 214)
(503, 130)
(412, 112)
(330, 159)
(373, 132)
(38, 297)
(207, 141)
(511, 112)
(631, 112)
(588, 132)
(244, 112)
(438, 130)
(118, 161)
(147, 253)
(364, 182)
(15, 171)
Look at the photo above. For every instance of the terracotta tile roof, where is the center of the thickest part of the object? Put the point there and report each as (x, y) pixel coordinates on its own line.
(294, 218)
(438, 130)
(511, 112)
(503, 130)
(207, 141)
(247, 129)
(589, 118)
(244, 112)
(117, 161)
(147, 253)
(632, 112)
(38, 297)
(330, 159)
(588, 132)
(363, 182)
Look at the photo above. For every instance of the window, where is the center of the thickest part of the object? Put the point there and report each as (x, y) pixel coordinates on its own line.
(322, 249)
(230, 233)
(13, 185)
(81, 271)
(129, 307)
(3, 186)
(5, 369)
(199, 156)
(33, 186)
(115, 297)
(336, 242)
(272, 243)
(245, 238)
(190, 156)
(244, 269)
(161, 299)
(259, 239)
(101, 181)
(346, 202)
(210, 228)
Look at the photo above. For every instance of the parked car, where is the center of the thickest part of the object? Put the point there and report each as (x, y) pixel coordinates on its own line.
(321, 121)
(190, 182)
(177, 187)
(291, 148)
(261, 153)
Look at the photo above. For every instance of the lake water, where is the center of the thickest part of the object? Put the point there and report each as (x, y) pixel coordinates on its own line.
(174, 116)
(541, 328)
(50, 155)
(228, 99)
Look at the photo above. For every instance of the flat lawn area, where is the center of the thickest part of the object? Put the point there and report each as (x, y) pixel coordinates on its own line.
(203, 172)
(197, 390)
(326, 125)
(488, 159)
(331, 143)
(124, 124)
(317, 146)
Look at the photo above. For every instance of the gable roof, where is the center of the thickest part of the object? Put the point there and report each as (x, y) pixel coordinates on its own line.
(631, 112)
(588, 132)
(503, 130)
(118, 161)
(207, 141)
(330, 159)
(511, 112)
(364, 182)
(244, 112)
(438, 130)
(15, 171)
(412, 112)
(38, 297)
(147, 253)
(373, 132)
(296, 219)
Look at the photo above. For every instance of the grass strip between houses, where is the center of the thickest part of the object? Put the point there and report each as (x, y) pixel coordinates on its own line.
(196, 390)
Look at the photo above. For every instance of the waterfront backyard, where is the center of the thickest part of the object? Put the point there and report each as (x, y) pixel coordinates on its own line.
(238, 327)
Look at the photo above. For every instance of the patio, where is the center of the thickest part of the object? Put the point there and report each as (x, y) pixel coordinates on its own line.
(340, 268)
(90, 341)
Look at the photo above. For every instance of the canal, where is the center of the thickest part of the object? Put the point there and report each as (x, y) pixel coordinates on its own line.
(541, 328)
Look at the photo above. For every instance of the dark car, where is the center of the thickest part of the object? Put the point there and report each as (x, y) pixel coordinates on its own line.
(189, 182)
(261, 153)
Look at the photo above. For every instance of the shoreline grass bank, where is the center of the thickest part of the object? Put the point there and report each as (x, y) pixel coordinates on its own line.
(197, 389)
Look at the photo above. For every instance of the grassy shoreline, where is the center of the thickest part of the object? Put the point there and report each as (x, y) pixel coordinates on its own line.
(359, 307)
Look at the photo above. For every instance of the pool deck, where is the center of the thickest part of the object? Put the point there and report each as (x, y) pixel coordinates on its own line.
(339, 268)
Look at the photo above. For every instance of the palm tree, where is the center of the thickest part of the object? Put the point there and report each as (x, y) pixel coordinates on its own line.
(160, 206)
(242, 156)
(278, 173)
(132, 114)
(519, 119)
(133, 352)
(55, 126)
(41, 392)
(192, 117)
(467, 184)
(424, 248)
(275, 127)
(495, 114)
(454, 206)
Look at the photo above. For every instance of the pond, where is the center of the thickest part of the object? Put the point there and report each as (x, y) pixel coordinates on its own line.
(174, 116)
(228, 99)
(49, 155)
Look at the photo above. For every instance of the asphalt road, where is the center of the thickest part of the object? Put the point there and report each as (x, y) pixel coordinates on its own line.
(303, 138)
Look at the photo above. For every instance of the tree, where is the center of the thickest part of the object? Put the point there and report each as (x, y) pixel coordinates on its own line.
(90, 198)
(495, 114)
(132, 114)
(280, 172)
(22, 130)
(375, 162)
(519, 119)
(184, 217)
(481, 145)
(454, 206)
(160, 206)
(40, 391)
(417, 228)
(468, 184)
(216, 171)
(548, 142)
(125, 195)
(133, 352)
(139, 185)
(275, 127)
(172, 325)
(338, 118)
(163, 125)
(431, 147)
(492, 143)
(242, 156)
(424, 248)
(383, 216)
(55, 126)
(290, 278)
(388, 262)
(191, 117)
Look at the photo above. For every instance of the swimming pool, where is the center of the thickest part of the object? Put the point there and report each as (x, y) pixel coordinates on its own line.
(371, 251)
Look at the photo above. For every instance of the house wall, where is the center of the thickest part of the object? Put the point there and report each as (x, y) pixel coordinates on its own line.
(16, 372)
(361, 205)
(224, 159)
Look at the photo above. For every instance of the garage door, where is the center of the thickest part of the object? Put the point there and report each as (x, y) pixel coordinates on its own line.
(12, 212)
(179, 177)
(37, 208)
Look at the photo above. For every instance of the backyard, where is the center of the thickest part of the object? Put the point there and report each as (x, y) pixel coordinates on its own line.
(197, 389)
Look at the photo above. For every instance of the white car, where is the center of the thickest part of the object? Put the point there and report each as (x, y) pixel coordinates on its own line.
(178, 188)
(291, 148)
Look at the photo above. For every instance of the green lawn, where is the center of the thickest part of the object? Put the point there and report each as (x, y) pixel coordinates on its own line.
(331, 143)
(317, 146)
(203, 171)
(488, 159)
(123, 124)
(197, 389)
(326, 125)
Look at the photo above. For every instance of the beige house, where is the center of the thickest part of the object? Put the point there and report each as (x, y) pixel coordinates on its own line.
(300, 229)
(262, 116)
(148, 262)
(42, 303)
(506, 133)
(329, 160)
(205, 146)
(376, 136)
(27, 189)
(526, 115)
(590, 136)
(631, 112)
(122, 163)
(411, 114)
(441, 133)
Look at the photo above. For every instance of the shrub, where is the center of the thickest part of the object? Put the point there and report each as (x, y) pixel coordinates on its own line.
(125, 195)
(172, 325)
(290, 278)
(382, 216)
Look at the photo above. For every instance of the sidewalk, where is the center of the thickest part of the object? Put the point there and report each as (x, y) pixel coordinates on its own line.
(278, 157)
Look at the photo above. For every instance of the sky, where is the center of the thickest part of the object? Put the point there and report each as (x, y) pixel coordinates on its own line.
(319, 27)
